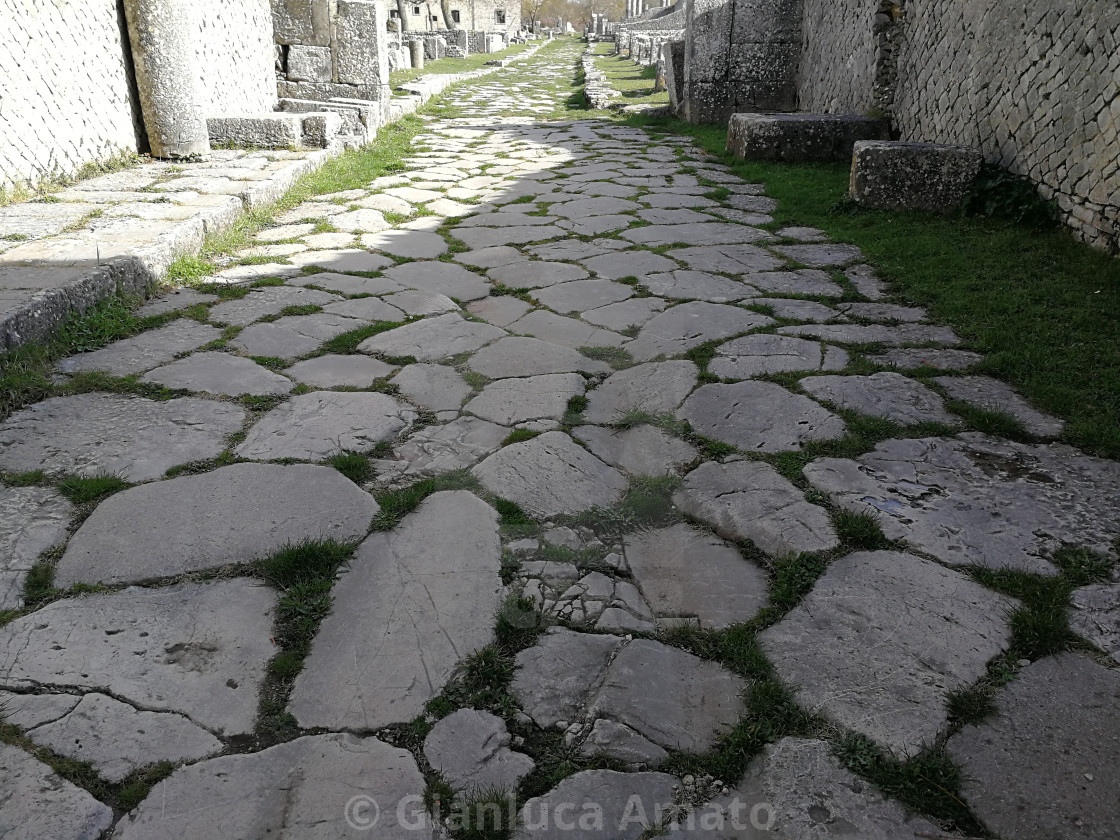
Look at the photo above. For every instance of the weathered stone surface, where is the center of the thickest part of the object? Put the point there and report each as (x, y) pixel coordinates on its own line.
(727, 259)
(268, 301)
(436, 387)
(802, 281)
(37, 803)
(482, 237)
(1095, 616)
(341, 259)
(502, 310)
(975, 500)
(759, 416)
(437, 449)
(470, 749)
(893, 175)
(145, 351)
(302, 789)
(510, 401)
(360, 221)
(628, 313)
(173, 301)
(892, 336)
(880, 641)
(615, 806)
(885, 394)
(349, 284)
(697, 233)
(601, 206)
(549, 475)
(912, 359)
(800, 137)
(117, 738)
(518, 356)
(315, 426)
(234, 514)
(687, 575)
(579, 295)
(884, 312)
(798, 310)
(412, 604)
(623, 744)
(414, 244)
(656, 388)
(199, 649)
(752, 355)
(554, 678)
(698, 285)
(536, 274)
(993, 395)
(682, 327)
(440, 278)
(639, 450)
(629, 264)
(821, 256)
(1046, 764)
(219, 373)
(569, 332)
(433, 338)
(415, 302)
(99, 434)
(333, 371)
(32, 520)
(294, 335)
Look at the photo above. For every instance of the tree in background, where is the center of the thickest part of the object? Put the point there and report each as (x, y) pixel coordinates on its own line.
(576, 12)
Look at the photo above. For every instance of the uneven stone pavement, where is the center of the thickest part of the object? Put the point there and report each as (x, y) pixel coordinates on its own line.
(659, 542)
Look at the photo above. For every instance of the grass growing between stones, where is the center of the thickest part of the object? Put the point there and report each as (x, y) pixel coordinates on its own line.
(397, 504)
(354, 465)
(82, 490)
(475, 61)
(348, 342)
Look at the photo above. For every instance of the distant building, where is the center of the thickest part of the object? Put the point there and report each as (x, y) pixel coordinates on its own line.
(473, 15)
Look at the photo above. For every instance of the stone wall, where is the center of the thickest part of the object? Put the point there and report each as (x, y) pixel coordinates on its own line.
(235, 43)
(67, 94)
(836, 72)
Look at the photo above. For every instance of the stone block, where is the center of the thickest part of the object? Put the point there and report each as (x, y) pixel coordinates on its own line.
(912, 176)
(800, 137)
(355, 118)
(310, 64)
(672, 57)
(262, 131)
(319, 129)
(306, 22)
(360, 48)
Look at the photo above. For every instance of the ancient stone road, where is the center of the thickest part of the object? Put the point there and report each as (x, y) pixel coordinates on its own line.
(553, 282)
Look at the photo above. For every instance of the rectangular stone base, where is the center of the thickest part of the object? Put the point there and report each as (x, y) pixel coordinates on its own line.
(276, 130)
(800, 137)
(912, 176)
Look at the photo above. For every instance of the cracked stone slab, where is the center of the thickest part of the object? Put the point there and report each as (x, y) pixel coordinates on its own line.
(750, 500)
(199, 649)
(145, 351)
(624, 315)
(623, 806)
(221, 374)
(502, 310)
(686, 284)
(622, 744)
(892, 336)
(803, 281)
(37, 803)
(884, 394)
(687, 325)
(759, 416)
(492, 257)
(568, 332)
(315, 426)
(1046, 763)
(993, 395)
(433, 450)
(336, 371)
(270, 301)
(583, 208)
(433, 338)
(579, 295)
(549, 475)
(413, 603)
(628, 264)
(536, 274)
(1095, 616)
(413, 244)
(301, 789)
(688, 576)
(484, 237)
(554, 678)
(347, 284)
(975, 500)
(519, 356)
(417, 303)
(881, 641)
(639, 450)
(821, 255)
(655, 388)
(906, 358)
(727, 259)
(294, 335)
(470, 750)
(437, 387)
(234, 514)
(696, 233)
(753, 355)
(798, 310)
(32, 520)
(510, 401)
(440, 278)
(114, 737)
(106, 434)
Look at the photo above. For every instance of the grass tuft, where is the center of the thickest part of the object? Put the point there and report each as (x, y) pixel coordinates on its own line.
(83, 490)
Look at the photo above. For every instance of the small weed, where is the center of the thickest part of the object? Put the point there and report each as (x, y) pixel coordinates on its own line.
(792, 577)
(397, 504)
(38, 588)
(348, 342)
(354, 465)
(519, 435)
(859, 531)
(83, 490)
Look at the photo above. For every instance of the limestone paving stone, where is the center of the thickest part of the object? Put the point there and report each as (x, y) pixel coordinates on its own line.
(347, 284)
(882, 639)
(913, 359)
(682, 216)
(365, 309)
(992, 395)
(727, 259)
(173, 301)
(108, 434)
(821, 255)
(267, 301)
(502, 310)
(483, 237)
(440, 278)
(565, 249)
(341, 260)
(32, 520)
(654, 388)
(280, 232)
(359, 221)
(640, 450)
(144, 351)
(294, 335)
(628, 264)
(38, 803)
(1095, 616)
(335, 371)
(892, 336)
(687, 325)
(750, 500)
(219, 373)
(199, 649)
(234, 514)
(438, 449)
(437, 387)
(414, 244)
(417, 303)
(616, 806)
(798, 310)
(759, 416)
(433, 338)
(520, 356)
(387, 204)
(315, 426)
(549, 475)
(492, 257)
(696, 233)
(975, 500)
(753, 355)
(629, 313)
(470, 750)
(698, 285)
(413, 603)
(583, 294)
(554, 678)
(582, 208)
(884, 312)
(802, 281)
(1046, 763)
(884, 394)
(569, 332)
(300, 789)
(623, 744)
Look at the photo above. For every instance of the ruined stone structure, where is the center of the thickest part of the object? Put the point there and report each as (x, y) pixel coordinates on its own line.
(499, 16)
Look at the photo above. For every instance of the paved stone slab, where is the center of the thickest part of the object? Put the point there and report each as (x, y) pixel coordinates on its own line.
(199, 649)
(535, 274)
(640, 450)
(518, 356)
(510, 401)
(727, 259)
(798, 310)
(622, 744)
(436, 387)
(885, 394)
(440, 278)
(470, 749)
(1095, 616)
(484, 237)
(656, 388)
(145, 351)
(412, 604)
(1046, 764)
(341, 259)
(993, 395)
(293, 336)
(360, 221)
(803, 281)
(414, 244)
(268, 301)
(106, 434)
(315, 426)
(683, 327)
(975, 500)
(433, 338)
(502, 310)
(234, 514)
(698, 285)
(759, 416)
(347, 284)
(438, 449)
(749, 500)
(753, 355)
(625, 315)
(628, 264)
(334, 371)
(566, 249)
(281, 232)
(702, 233)
(584, 207)
(418, 303)
(893, 336)
(549, 475)
(882, 639)
(884, 312)
(615, 806)
(821, 256)
(676, 216)
(173, 301)
(304, 788)
(912, 359)
(38, 803)
(492, 257)
(554, 678)
(688, 576)
(569, 332)
(583, 294)
(32, 520)
(219, 373)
